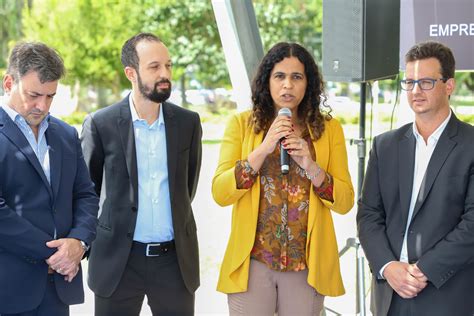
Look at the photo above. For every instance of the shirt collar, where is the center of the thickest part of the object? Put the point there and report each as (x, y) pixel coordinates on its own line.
(134, 112)
(437, 133)
(15, 116)
(11, 112)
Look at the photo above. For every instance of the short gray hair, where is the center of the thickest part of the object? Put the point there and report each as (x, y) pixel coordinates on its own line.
(37, 57)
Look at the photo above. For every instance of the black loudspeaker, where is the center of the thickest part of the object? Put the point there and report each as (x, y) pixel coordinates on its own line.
(361, 39)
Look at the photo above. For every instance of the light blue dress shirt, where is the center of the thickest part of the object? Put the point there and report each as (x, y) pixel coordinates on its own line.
(154, 219)
(40, 146)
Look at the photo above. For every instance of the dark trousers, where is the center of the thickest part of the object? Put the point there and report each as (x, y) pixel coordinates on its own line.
(400, 306)
(159, 278)
(51, 304)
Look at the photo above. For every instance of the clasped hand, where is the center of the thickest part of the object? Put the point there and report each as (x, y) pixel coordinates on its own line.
(66, 259)
(405, 279)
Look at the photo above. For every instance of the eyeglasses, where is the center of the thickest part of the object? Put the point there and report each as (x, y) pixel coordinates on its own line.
(424, 83)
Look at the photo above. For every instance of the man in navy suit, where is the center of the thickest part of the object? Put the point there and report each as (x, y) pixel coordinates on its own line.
(48, 206)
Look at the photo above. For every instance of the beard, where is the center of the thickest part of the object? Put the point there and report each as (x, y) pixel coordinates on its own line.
(154, 94)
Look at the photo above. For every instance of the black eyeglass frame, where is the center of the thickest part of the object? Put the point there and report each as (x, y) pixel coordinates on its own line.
(403, 83)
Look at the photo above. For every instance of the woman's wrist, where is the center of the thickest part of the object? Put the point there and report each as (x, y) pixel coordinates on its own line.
(313, 172)
(256, 158)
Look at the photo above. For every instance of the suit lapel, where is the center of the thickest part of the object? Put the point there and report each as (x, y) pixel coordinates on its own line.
(406, 163)
(127, 138)
(55, 156)
(172, 141)
(443, 148)
(12, 132)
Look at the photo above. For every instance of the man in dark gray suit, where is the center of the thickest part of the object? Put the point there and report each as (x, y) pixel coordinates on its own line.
(144, 155)
(416, 212)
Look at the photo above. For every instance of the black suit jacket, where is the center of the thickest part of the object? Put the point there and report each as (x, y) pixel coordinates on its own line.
(31, 209)
(441, 232)
(108, 143)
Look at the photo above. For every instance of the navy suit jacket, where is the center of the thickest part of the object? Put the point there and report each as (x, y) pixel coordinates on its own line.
(31, 209)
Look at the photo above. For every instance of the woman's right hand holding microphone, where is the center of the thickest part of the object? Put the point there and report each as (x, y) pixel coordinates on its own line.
(280, 128)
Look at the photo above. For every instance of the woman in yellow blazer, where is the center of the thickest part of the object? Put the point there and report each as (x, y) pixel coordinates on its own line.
(282, 253)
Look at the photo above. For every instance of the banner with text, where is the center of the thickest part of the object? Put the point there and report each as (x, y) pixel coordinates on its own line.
(449, 22)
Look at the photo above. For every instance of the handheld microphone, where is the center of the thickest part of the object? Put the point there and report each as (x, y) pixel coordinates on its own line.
(284, 157)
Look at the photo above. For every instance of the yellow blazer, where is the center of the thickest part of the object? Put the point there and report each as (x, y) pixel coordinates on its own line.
(321, 246)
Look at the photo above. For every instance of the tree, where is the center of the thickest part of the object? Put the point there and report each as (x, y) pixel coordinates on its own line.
(189, 30)
(282, 20)
(465, 83)
(88, 34)
(10, 25)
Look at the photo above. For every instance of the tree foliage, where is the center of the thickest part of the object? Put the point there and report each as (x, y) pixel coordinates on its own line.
(10, 25)
(290, 20)
(89, 34)
(465, 81)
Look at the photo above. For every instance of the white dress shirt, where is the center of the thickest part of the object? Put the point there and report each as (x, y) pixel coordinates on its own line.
(423, 154)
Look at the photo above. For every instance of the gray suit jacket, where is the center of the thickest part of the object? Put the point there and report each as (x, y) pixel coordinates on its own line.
(441, 232)
(108, 144)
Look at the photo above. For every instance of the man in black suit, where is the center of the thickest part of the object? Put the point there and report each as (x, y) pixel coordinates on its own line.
(144, 155)
(416, 212)
(48, 207)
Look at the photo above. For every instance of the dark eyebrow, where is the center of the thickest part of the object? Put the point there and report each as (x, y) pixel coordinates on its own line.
(293, 73)
(158, 63)
(37, 94)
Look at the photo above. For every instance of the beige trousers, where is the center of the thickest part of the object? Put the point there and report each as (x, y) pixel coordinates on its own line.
(270, 292)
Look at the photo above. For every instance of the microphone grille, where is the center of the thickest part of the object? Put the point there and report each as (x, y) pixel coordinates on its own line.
(285, 112)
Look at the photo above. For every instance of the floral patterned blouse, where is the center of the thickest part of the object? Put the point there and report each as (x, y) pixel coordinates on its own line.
(280, 240)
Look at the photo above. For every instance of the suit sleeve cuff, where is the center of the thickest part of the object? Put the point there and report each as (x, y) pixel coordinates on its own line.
(381, 271)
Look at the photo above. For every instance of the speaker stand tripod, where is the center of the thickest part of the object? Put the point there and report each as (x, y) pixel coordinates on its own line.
(354, 242)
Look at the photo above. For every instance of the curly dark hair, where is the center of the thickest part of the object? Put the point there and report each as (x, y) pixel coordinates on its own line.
(263, 111)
